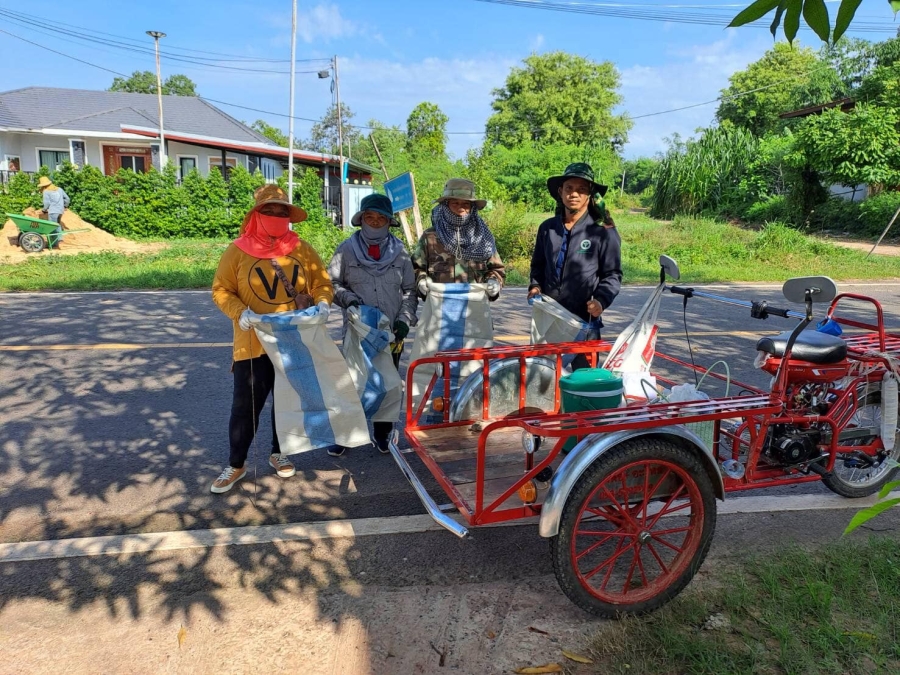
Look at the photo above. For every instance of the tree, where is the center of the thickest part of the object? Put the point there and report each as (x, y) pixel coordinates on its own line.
(426, 131)
(852, 59)
(638, 174)
(324, 136)
(815, 15)
(859, 146)
(274, 134)
(144, 82)
(558, 98)
(784, 79)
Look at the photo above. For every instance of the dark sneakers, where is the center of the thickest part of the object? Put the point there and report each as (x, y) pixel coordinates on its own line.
(336, 450)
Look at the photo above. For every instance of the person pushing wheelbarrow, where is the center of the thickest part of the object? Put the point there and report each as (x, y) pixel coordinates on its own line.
(56, 201)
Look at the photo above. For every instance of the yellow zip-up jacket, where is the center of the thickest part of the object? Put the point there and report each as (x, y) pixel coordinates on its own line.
(243, 281)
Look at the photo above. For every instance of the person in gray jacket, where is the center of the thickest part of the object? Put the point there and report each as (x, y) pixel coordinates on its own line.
(373, 268)
(56, 201)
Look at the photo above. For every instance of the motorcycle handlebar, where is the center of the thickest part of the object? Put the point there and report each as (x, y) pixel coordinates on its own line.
(758, 309)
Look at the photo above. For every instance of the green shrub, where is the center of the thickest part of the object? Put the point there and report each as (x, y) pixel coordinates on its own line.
(155, 205)
(514, 233)
(876, 212)
(837, 215)
(767, 210)
(20, 193)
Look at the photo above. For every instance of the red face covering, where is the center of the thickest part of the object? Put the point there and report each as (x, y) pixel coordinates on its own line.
(267, 237)
(273, 226)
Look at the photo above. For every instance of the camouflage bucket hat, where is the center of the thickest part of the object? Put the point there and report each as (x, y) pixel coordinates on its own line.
(577, 170)
(460, 188)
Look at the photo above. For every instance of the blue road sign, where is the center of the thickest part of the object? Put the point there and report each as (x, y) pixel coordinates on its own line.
(400, 191)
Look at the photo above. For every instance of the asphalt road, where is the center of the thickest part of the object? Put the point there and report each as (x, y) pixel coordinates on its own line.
(115, 408)
(114, 421)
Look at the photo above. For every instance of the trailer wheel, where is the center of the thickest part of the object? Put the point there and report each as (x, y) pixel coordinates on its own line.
(32, 242)
(635, 529)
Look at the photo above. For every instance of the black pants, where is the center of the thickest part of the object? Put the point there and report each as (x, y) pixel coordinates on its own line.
(383, 429)
(250, 394)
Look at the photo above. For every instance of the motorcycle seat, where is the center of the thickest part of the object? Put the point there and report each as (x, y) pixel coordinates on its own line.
(811, 346)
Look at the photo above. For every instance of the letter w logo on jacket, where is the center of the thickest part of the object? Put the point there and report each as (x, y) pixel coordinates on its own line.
(272, 289)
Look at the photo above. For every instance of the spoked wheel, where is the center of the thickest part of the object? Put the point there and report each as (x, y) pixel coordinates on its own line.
(635, 529)
(864, 473)
(31, 242)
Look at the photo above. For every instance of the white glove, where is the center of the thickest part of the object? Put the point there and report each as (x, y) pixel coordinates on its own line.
(493, 287)
(247, 316)
(422, 286)
(324, 308)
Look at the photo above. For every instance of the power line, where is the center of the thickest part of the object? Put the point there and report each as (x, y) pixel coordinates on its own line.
(42, 21)
(663, 14)
(202, 62)
(88, 63)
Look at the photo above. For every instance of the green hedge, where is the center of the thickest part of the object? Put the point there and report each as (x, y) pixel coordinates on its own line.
(155, 205)
(867, 218)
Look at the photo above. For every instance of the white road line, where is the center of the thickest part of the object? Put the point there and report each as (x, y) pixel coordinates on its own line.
(336, 529)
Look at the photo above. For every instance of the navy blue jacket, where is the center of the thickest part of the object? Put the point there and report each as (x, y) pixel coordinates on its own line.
(592, 267)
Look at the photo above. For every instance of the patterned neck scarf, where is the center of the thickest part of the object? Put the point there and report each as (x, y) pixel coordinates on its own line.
(467, 237)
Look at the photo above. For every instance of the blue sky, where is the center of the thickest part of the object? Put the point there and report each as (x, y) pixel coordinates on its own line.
(394, 54)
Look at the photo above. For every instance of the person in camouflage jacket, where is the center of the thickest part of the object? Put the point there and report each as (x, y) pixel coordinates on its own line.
(459, 248)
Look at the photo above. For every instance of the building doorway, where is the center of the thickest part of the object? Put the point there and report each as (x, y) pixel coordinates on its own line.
(133, 158)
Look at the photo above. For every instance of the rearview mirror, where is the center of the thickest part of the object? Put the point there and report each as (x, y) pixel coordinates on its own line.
(669, 267)
(822, 289)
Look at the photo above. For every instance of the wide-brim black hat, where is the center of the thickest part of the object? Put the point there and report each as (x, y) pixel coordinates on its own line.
(576, 170)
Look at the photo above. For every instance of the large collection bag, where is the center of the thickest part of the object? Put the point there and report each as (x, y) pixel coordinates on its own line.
(455, 316)
(316, 402)
(367, 352)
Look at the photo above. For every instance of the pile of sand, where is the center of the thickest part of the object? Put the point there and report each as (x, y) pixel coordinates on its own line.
(91, 240)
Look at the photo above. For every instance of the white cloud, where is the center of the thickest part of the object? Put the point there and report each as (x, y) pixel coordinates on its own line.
(689, 75)
(324, 23)
(388, 90)
(537, 42)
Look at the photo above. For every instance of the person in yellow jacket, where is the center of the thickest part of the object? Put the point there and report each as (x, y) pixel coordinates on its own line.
(267, 269)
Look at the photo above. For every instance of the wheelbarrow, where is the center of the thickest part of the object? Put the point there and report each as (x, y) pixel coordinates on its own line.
(33, 231)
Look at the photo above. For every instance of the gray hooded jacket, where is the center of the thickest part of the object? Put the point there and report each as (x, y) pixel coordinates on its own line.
(393, 293)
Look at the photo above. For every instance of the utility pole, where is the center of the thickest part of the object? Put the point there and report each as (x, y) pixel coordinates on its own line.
(291, 110)
(163, 160)
(337, 90)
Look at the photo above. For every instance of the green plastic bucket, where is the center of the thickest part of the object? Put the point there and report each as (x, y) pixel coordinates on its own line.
(589, 389)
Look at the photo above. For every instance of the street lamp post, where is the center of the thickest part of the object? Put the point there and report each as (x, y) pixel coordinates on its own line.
(163, 160)
(291, 112)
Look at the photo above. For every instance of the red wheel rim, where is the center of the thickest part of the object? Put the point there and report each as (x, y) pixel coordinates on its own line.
(637, 532)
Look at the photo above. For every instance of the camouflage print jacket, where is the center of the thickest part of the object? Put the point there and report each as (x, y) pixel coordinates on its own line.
(431, 259)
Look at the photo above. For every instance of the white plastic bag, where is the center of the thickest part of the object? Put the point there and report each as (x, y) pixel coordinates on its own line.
(635, 347)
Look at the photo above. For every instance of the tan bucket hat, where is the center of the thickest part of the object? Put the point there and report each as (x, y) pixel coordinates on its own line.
(460, 188)
(273, 194)
(44, 182)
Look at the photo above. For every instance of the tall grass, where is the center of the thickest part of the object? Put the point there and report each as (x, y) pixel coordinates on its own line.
(698, 175)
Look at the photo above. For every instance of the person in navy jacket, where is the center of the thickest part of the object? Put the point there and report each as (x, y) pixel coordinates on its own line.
(577, 257)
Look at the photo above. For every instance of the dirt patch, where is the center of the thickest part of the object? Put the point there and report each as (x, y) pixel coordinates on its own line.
(91, 240)
(883, 249)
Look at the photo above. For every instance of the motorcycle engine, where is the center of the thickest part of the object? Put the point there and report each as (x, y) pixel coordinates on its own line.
(794, 446)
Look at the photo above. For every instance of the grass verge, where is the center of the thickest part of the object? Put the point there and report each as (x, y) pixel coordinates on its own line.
(835, 610)
(187, 263)
(711, 251)
(706, 250)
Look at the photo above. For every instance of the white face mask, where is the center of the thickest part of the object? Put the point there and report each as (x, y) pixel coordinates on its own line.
(375, 233)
